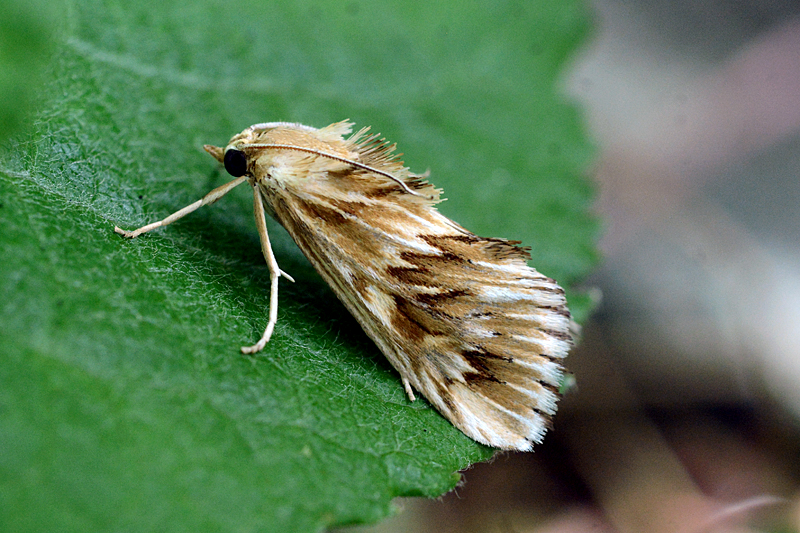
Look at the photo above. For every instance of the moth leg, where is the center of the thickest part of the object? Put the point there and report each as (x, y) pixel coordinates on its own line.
(274, 273)
(209, 198)
(409, 391)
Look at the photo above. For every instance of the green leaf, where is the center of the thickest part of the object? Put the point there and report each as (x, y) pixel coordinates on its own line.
(28, 30)
(124, 402)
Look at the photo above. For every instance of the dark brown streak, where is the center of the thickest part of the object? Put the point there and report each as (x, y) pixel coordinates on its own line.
(551, 388)
(406, 322)
(501, 248)
(343, 175)
(434, 299)
(433, 240)
(501, 245)
(560, 335)
(444, 394)
(359, 284)
(370, 188)
(351, 208)
(550, 358)
(481, 353)
(558, 310)
(477, 360)
(350, 179)
(476, 378)
(331, 216)
(430, 260)
(551, 290)
(541, 413)
(411, 276)
(383, 192)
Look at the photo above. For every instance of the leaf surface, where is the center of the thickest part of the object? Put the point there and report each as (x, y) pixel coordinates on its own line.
(124, 402)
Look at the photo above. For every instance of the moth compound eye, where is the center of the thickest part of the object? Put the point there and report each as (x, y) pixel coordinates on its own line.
(235, 162)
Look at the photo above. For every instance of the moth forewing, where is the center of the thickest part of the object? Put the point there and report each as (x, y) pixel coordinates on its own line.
(463, 319)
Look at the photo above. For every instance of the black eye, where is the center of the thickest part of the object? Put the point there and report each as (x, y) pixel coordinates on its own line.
(235, 162)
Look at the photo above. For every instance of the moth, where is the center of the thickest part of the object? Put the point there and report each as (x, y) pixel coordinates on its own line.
(463, 319)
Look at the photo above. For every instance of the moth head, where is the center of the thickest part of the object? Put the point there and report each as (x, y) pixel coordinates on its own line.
(294, 143)
(234, 158)
(238, 154)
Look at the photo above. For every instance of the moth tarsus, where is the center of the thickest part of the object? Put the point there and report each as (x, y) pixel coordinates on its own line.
(463, 319)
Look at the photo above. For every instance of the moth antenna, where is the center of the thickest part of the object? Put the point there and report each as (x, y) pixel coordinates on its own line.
(270, 146)
(272, 125)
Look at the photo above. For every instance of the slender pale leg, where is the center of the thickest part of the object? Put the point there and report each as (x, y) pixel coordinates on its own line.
(209, 198)
(261, 224)
(409, 390)
(274, 273)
